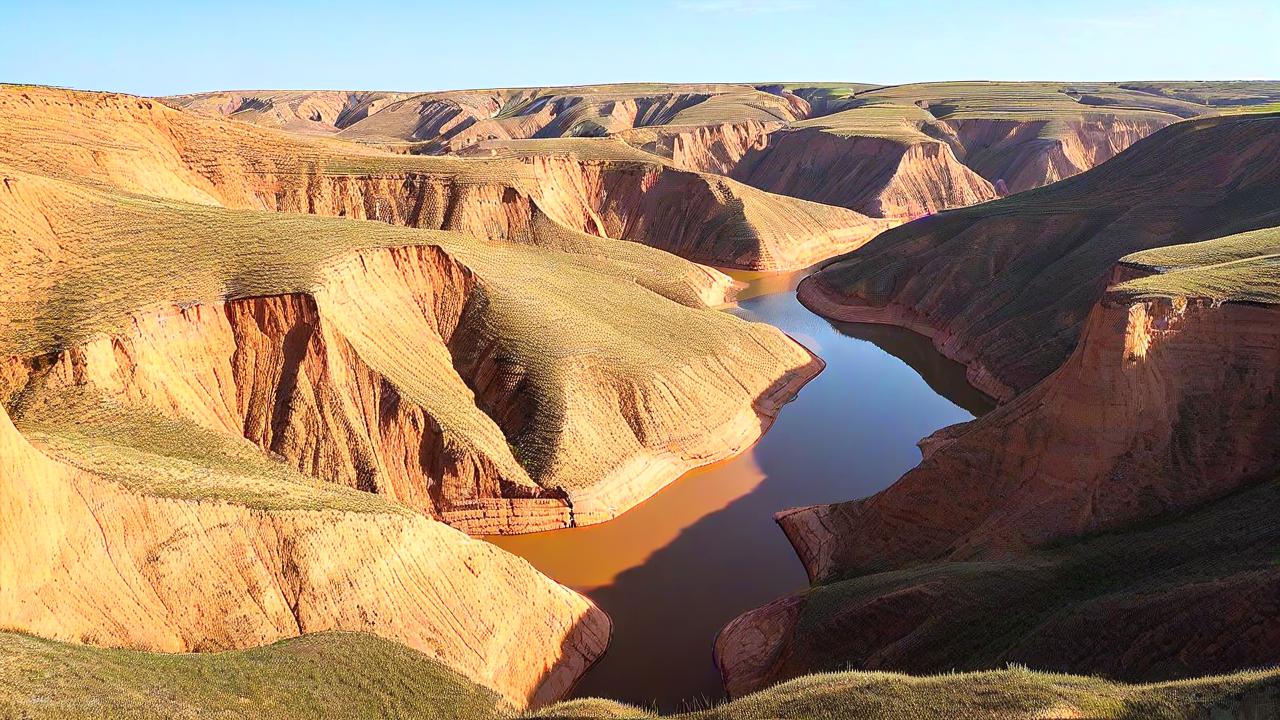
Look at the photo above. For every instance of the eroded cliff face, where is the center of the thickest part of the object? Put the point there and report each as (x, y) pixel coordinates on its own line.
(1089, 524)
(932, 165)
(1165, 404)
(715, 148)
(88, 560)
(1029, 154)
(877, 176)
(701, 217)
(1006, 287)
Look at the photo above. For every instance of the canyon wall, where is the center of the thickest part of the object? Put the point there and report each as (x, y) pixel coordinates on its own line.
(1005, 287)
(1165, 404)
(139, 145)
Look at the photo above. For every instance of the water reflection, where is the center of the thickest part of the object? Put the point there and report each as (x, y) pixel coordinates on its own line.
(675, 569)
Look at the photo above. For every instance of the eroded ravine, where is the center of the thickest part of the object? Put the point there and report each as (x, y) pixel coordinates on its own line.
(674, 570)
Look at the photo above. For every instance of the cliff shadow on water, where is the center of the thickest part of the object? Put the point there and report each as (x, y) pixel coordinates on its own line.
(676, 569)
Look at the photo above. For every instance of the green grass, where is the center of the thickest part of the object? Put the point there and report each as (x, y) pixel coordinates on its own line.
(330, 675)
(564, 307)
(1021, 274)
(1237, 268)
(353, 676)
(155, 454)
(1033, 609)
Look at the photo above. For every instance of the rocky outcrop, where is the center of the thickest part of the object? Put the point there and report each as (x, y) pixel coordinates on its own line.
(1027, 154)
(402, 374)
(701, 217)
(1094, 519)
(87, 560)
(716, 148)
(318, 112)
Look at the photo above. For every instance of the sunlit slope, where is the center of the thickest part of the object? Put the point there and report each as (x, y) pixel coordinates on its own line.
(1128, 320)
(357, 676)
(453, 120)
(341, 675)
(569, 374)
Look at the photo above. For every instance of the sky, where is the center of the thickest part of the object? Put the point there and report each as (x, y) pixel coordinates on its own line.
(152, 48)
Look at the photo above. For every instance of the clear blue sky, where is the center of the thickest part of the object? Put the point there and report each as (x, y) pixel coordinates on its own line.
(161, 48)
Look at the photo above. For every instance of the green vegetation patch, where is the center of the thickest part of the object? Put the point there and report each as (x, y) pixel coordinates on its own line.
(329, 675)
(1236, 268)
(154, 454)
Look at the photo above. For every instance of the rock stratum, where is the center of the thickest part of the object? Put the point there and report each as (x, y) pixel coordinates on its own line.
(267, 358)
(1112, 514)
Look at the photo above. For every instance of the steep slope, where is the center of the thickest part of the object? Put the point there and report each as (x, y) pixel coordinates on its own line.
(232, 426)
(896, 152)
(913, 150)
(321, 113)
(1166, 406)
(451, 121)
(142, 146)
(606, 188)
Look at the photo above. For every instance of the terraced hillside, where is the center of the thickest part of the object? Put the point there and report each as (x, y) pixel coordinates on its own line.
(332, 674)
(1103, 514)
(894, 152)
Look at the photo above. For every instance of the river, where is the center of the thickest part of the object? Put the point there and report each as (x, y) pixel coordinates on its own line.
(675, 569)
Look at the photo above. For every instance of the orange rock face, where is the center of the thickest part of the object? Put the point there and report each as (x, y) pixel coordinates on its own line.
(876, 176)
(1162, 407)
(234, 421)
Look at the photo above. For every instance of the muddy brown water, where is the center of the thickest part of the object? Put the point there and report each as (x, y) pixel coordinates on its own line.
(675, 569)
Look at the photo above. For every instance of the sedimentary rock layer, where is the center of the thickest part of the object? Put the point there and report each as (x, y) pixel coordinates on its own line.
(1100, 514)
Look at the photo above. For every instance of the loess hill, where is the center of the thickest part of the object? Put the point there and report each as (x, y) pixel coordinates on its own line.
(229, 420)
(1115, 514)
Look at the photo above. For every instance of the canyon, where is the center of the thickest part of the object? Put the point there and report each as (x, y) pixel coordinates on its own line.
(331, 377)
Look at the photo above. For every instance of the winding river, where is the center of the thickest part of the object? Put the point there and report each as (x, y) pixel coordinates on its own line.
(674, 570)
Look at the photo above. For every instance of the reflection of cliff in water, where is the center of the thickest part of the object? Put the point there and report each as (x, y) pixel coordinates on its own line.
(945, 376)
